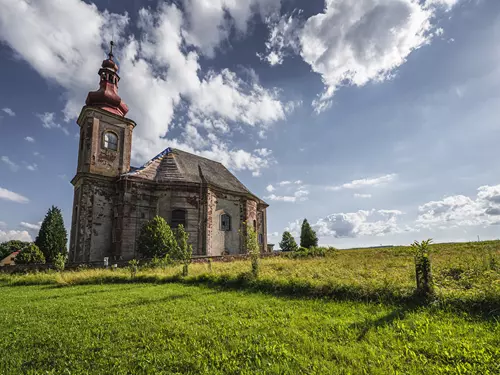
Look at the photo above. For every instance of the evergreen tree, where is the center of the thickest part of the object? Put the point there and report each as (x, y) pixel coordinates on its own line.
(30, 255)
(288, 242)
(183, 250)
(52, 237)
(156, 238)
(308, 237)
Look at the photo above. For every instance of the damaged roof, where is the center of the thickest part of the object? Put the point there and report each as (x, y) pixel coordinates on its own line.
(174, 165)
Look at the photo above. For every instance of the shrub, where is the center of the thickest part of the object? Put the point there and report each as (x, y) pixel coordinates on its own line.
(52, 237)
(288, 242)
(60, 261)
(158, 262)
(183, 250)
(156, 238)
(133, 266)
(423, 273)
(7, 248)
(30, 255)
(308, 237)
(252, 246)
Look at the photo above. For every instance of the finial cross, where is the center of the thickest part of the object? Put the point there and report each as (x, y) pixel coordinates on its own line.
(111, 49)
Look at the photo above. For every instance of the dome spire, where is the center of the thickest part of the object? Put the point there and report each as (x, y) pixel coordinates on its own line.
(107, 96)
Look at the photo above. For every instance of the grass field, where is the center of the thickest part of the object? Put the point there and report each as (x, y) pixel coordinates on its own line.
(350, 313)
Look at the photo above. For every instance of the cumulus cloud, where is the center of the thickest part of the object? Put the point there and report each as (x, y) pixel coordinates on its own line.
(357, 195)
(11, 196)
(283, 37)
(9, 111)
(30, 226)
(354, 43)
(20, 235)
(299, 195)
(160, 70)
(458, 210)
(270, 188)
(48, 122)
(30, 139)
(12, 165)
(355, 224)
(365, 182)
(32, 167)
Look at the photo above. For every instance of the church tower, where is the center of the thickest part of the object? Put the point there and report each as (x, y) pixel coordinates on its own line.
(103, 156)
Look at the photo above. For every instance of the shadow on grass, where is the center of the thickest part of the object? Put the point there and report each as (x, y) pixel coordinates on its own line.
(149, 301)
(482, 307)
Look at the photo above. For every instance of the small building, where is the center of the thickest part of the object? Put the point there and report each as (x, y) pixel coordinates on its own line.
(112, 200)
(9, 260)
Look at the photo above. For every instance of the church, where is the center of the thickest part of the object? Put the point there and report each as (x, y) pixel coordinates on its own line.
(112, 200)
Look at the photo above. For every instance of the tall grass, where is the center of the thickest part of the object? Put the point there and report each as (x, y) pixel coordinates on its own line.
(466, 275)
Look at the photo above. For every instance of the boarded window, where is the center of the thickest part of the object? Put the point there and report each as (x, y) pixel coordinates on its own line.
(261, 238)
(110, 141)
(178, 217)
(225, 222)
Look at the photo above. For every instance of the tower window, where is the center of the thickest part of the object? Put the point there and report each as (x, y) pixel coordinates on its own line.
(225, 222)
(178, 217)
(110, 141)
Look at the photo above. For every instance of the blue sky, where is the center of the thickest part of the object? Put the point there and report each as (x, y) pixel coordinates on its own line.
(378, 121)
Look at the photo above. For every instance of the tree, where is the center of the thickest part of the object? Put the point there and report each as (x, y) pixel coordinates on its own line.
(52, 237)
(308, 237)
(423, 273)
(156, 238)
(183, 250)
(7, 248)
(31, 254)
(252, 245)
(288, 242)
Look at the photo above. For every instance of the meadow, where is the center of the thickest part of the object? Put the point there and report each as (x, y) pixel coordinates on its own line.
(352, 312)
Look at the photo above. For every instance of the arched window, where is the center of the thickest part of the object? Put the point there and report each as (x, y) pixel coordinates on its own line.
(110, 141)
(225, 222)
(178, 217)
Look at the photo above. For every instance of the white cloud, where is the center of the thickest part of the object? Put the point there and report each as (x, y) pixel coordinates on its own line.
(365, 182)
(32, 167)
(460, 210)
(299, 195)
(211, 21)
(270, 188)
(355, 224)
(20, 235)
(13, 166)
(48, 122)
(30, 226)
(283, 37)
(9, 111)
(11, 196)
(354, 43)
(160, 69)
(30, 139)
(446, 4)
(357, 195)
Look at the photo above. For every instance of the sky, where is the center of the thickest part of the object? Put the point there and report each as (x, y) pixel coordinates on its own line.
(377, 120)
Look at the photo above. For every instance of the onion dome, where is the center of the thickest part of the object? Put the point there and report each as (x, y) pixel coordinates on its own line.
(106, 97)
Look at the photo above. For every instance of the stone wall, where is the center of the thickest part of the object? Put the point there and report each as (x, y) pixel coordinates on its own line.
(226, 241)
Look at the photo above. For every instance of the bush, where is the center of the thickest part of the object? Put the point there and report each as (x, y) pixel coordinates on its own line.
(156, 238)
(304, 252)
(7, 248)
(158, 262)
(133, 266)
(308, 237)
(30, 255)
(252, 245)
(60, 261)
(423, 273)
(183, 250)
(52, 237)
(288, 242)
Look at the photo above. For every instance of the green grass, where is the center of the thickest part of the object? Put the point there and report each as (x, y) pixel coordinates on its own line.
(174, 328)
(350, 313)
